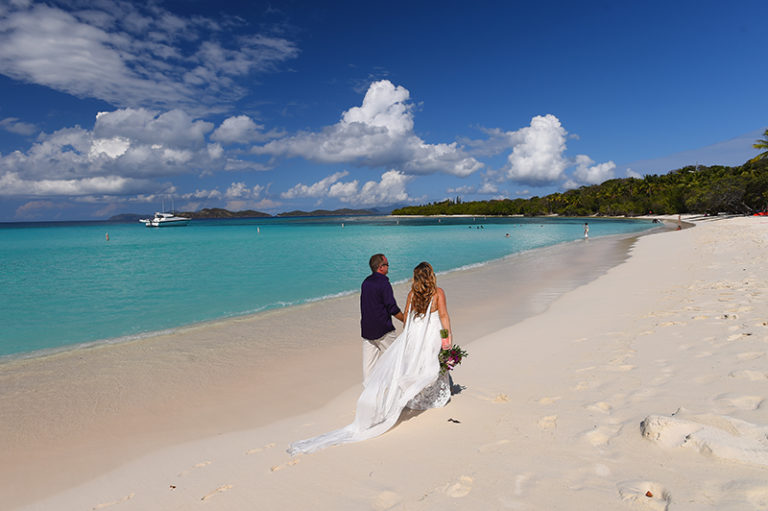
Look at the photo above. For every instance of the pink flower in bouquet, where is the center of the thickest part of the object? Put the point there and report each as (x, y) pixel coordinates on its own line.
(450, 358)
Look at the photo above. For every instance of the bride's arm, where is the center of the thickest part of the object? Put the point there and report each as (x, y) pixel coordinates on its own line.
(445, 320)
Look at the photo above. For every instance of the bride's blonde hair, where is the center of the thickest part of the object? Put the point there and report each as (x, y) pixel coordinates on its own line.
(423, 287)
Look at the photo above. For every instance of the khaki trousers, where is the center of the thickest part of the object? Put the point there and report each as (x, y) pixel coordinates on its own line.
(372, 350)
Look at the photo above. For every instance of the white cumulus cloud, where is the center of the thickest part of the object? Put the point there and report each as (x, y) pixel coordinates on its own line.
(174, 128)
(588, 173)
(240, 190)
(318, 189)
(537, 157)
(112, 147)
(379, 133)
(384, 106)
(240, 129)
(388, 190)
(488, 188)
(128, 151)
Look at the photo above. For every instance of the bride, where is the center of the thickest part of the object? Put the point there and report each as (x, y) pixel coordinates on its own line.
(406, 375)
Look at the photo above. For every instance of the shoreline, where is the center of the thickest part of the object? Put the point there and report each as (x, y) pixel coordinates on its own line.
(140, 391)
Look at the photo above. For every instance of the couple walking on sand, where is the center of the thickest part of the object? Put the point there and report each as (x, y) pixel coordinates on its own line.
(398, 371)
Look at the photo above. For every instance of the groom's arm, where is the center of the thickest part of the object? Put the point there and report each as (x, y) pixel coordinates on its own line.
(391, 304)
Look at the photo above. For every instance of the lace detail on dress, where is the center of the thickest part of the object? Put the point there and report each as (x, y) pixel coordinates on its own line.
(435, 395)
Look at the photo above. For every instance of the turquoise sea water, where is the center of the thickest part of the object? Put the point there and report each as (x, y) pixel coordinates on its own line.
(64, 284)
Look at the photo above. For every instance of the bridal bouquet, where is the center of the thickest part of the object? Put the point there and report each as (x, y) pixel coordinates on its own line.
(451, 357)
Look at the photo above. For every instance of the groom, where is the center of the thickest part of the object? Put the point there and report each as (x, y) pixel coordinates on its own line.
(377, 306)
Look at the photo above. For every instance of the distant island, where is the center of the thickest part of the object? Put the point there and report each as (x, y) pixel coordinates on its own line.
(248, 213)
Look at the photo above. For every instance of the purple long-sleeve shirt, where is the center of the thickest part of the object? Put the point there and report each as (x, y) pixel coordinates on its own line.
(377, 306)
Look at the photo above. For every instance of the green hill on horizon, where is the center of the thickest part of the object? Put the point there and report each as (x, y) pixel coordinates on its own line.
(691, 189)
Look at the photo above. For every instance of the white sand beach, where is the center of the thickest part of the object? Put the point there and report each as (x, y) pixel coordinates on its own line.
(644, 388)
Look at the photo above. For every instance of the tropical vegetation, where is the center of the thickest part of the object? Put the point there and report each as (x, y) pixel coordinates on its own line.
(692, 189)
(761, 144)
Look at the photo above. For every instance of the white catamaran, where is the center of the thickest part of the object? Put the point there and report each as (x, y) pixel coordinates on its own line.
(165, 219)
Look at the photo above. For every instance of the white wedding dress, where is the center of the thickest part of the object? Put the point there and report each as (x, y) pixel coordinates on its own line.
(406, 375)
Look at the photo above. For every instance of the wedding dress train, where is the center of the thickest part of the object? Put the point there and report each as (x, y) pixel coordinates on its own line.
(406, 375)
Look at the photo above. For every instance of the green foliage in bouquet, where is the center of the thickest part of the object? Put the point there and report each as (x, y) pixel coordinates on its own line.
(451, 357)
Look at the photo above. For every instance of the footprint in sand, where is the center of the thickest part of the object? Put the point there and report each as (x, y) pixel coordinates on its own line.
(750, 355)
(602, 470)
(602, 435)
(741, 335)
(754, 492)
(257, 450)
(626, 353)
(287, 464)
(195, 467)
(549, 400)
(498, 398)
(645, 495)
(705, 379)
(758, 496)
(512, 501)
(741, 402)
(642, 394)
(548, 423)
(749, 375)
(621, 368)
(492, 446)
(658, 314)
(114, 502)
(386, 500)
(520, 482)
(586, 385)
(220, 489)
(461, 488)
(662, 378)
(672, 323)
(601, 406)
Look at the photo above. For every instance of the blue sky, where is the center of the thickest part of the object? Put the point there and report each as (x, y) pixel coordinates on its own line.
(110, 107)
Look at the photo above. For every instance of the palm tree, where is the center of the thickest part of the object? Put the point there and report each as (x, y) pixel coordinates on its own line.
(761, 144)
